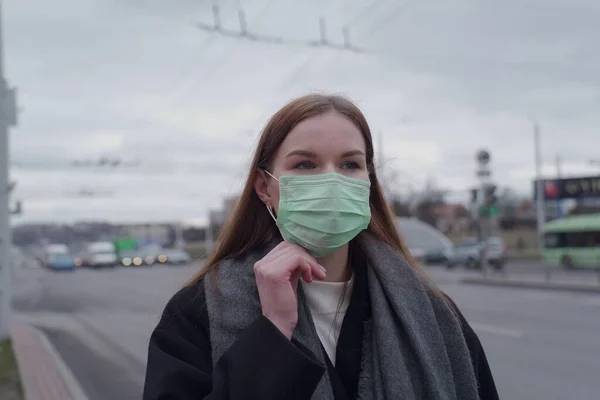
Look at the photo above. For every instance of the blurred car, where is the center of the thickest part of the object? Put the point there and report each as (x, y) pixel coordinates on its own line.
(418, 253)
(57, 257)
(496, 252)
(137, 258)
(60, 262)
(469, 253)
(426, 243)
(100, 254)
(173, 256)
(130, 258)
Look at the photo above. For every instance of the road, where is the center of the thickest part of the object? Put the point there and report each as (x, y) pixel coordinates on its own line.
(525, 269)
(540, 344)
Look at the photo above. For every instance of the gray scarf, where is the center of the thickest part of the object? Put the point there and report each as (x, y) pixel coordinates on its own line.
(413, 349)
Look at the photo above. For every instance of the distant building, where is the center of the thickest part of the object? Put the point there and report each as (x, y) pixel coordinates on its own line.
(218, 218)
(149, 233)
(452, 218)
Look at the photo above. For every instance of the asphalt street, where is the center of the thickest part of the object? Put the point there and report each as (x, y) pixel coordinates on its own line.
(540, 344)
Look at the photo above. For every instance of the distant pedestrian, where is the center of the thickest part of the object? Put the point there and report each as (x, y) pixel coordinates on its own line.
(310, 293)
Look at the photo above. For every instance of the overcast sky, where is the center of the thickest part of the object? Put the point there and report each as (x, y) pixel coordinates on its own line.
(135, 79)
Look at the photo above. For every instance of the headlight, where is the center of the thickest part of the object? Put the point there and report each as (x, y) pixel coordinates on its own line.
(162, 258)
(137, 261)
(149, 260)
(126, 261)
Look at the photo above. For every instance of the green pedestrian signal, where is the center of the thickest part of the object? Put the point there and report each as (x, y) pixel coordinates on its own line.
(494, 211)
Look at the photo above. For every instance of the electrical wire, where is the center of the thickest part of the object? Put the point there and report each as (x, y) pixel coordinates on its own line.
(365, 12)
(298, 72)
(193, 88)
(400, 11)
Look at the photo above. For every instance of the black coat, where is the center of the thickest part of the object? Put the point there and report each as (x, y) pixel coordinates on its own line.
(263, 364)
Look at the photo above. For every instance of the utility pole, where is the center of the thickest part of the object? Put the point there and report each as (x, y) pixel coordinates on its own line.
(8, 118)
(346, 34)
(540, 213)
(559, 209)
(483, 209)
(539, 189)
(216, 17)
(179, 241)
(323, 32)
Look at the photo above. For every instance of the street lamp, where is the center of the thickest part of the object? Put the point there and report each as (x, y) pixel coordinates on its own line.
(8, 118)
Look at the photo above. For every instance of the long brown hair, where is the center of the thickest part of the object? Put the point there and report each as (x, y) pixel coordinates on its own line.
(251, 225)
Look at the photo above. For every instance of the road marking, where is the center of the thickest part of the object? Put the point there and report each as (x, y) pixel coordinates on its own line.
(497, 330)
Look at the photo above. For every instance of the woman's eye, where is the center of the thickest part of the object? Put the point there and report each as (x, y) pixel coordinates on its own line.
(305, 165)
(350, 165)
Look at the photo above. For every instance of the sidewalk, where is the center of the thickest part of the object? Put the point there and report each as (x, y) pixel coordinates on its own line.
(535, 283)
(44, 374)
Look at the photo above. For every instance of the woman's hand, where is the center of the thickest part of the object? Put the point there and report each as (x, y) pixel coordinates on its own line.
(277, 277)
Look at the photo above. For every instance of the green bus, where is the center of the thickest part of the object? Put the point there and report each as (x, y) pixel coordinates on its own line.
(572, 242)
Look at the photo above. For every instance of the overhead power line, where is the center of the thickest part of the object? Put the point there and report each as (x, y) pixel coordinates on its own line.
(244, 33)
(365, 12)
(382, 23)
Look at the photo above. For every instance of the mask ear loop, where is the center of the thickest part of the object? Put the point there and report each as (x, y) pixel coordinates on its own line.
(270, 174)
(269, 208)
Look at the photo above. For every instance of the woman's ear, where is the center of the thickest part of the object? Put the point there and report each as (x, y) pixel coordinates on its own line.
(261, 186)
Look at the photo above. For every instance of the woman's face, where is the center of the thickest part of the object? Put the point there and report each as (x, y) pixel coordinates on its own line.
(320, 145)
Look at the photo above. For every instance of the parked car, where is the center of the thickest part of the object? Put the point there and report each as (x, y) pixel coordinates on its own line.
(418, 254)
(138, 257)
(469, 253)
(100, 254)
(130, 258)
(426, 243)
(174, 256)
(57, 257)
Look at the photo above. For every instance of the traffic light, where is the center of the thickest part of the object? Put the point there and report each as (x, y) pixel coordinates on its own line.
(473, 195)
(490, 202)
(490, 196)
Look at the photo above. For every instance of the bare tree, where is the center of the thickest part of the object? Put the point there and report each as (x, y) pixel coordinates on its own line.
(398, 192)
(431, 196)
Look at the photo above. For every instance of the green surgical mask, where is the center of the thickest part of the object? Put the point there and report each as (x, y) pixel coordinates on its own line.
(321, 213)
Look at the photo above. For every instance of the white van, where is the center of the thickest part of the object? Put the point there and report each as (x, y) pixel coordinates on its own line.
(101, 254)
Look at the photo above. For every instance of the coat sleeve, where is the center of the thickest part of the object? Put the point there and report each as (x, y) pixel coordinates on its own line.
(483, 373)
(485, 380)
(261, 364)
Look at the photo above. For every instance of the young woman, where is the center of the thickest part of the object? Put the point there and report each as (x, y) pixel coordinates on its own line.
(310, 293)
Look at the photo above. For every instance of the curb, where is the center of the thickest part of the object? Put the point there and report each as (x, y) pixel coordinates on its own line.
(558, 286)
(44, 374)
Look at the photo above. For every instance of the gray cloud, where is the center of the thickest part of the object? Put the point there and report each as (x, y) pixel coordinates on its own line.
(135, 79)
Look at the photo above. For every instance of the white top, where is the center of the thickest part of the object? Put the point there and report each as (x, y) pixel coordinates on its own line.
(324, 299)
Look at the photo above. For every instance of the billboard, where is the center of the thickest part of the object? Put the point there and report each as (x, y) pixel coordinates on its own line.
(570, 188)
